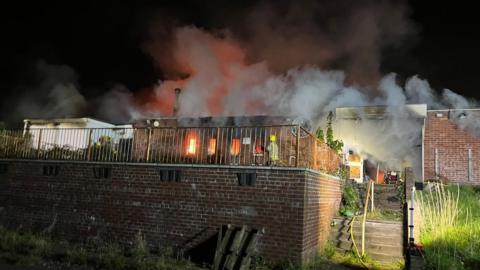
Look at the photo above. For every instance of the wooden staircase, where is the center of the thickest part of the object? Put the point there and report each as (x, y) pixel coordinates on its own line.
(386, 197)
(383, 239)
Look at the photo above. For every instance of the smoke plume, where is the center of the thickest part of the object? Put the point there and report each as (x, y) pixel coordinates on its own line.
(282, 59)
(57, 95)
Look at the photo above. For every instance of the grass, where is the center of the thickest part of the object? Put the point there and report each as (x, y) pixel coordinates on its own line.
(28, 249)
(385, 215)
(330, 259)
(449, 222)
(351, 260)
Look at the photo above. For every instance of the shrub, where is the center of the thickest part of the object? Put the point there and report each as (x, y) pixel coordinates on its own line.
(350, 200)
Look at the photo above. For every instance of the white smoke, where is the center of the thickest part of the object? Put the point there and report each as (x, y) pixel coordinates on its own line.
(223, 83)
(58, 95)
(285, 65)
(117, 106)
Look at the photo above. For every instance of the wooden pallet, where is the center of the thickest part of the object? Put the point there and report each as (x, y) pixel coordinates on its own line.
(236, 247)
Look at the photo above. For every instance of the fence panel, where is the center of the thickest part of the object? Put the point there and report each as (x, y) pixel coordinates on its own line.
(286, 145)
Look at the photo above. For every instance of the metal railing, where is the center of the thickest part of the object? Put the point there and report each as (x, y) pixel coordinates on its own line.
(287, 145)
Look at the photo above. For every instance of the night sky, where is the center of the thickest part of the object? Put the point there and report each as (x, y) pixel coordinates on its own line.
(101, 41)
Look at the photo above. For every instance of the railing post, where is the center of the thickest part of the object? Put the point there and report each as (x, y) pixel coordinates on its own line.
(411, 239)
(39, 143)
(147, 154)
(216, 145)
(298, 146)
(89, 146)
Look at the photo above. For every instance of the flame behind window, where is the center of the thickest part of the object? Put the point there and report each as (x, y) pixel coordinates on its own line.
(235, 147)
(191, 144)
(212, 145)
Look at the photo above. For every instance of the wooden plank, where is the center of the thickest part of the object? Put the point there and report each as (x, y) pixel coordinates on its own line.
(217, 249)
(221, 249)
(251, 248)
(236, 248)
(246, 262)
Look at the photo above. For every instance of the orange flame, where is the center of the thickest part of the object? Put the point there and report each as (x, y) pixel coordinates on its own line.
(191, 144)
(212, 145)
(235, 147)
(211, 65)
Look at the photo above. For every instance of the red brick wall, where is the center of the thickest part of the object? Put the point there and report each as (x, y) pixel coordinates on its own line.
(323, 195)
(452, 144)
(288, 203)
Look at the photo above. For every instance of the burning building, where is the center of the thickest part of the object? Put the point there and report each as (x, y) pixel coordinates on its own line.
(440, 145)
(177, 180)
(232, 141)
(380, 139)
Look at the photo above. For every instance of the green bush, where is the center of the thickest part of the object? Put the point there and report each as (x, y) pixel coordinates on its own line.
(350, 200)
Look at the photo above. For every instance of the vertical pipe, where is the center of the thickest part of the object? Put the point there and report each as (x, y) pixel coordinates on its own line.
(470, 165)
(176, 106)
(436, 163)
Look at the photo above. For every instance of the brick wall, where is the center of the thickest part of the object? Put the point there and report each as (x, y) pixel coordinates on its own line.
(451, 145)
(294, 206)
(322, 199)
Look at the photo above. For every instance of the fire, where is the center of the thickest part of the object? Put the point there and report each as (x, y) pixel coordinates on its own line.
(212, 67)
(191, 144)
(235, 147)
(212, 146)
(191, 149)
(258, 147)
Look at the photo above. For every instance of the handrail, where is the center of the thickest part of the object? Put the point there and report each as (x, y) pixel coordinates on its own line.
(228, 145)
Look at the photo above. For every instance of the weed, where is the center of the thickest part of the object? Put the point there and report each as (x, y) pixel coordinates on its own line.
(350, 200)
(449, 222)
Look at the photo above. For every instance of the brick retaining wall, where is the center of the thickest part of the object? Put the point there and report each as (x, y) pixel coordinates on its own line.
(116, 201)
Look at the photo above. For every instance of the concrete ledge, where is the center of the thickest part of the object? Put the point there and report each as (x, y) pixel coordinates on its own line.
(276, 168)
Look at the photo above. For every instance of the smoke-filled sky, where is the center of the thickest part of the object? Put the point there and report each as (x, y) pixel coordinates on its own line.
(117, 61)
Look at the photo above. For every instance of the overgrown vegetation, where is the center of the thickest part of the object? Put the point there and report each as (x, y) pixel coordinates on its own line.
(336, 145)
(330, 259)
(449, 221)
(342, 172)
(26, 248)
(350, 200)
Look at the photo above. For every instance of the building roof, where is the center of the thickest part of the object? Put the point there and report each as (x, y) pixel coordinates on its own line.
(83, 120)
(257, 120)
(380, 112)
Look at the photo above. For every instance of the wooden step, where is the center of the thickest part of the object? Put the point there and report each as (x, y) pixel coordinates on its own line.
(383, 239)
(372, 238)
(371, 248)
